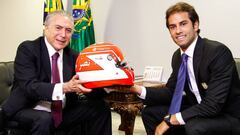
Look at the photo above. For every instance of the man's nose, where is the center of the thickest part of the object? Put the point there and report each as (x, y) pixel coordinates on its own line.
(63, 32)
(178, 29)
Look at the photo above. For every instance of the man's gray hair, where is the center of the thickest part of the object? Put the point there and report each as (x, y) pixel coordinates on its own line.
(58, 12)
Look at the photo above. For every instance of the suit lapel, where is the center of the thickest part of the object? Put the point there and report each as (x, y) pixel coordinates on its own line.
(45, 61)
(68, 65)
(197, 56)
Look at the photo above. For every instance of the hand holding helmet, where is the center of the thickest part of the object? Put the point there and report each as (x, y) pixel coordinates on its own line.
(75, 85)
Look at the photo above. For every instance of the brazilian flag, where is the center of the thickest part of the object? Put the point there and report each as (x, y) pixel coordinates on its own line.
(83, 35)
(51, 6)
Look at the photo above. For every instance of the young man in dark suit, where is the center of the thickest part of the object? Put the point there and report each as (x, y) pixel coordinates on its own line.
(36, 90)
(211, 96)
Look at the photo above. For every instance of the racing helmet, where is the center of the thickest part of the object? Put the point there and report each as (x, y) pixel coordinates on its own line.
(102, 65)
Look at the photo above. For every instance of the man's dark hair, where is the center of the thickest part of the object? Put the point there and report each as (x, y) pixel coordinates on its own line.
(183, 7)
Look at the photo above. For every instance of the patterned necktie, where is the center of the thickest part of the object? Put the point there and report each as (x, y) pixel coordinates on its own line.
(56, 107)
(177, 96)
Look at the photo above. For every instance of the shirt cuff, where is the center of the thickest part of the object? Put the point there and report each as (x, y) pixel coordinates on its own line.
(179, 118)
(143, 94)
(58, 92)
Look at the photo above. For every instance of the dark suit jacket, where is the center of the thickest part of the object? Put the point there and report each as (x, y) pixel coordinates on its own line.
(214, 66)
(32, 78)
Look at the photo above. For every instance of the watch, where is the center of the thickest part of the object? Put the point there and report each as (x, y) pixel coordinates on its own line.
(167, 120)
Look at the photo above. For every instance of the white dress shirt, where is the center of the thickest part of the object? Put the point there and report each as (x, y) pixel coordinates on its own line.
(58, 89)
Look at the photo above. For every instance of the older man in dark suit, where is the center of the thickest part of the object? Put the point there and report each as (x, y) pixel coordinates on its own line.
(209, 104)
(44, 96)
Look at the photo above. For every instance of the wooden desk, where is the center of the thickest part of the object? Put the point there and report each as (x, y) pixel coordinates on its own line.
(128, 105)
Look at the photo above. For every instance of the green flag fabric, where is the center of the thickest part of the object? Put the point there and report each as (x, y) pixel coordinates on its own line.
(51, 6)
(83, 35)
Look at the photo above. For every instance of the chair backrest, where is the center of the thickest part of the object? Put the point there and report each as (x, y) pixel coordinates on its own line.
(6, 79)
(237, 61)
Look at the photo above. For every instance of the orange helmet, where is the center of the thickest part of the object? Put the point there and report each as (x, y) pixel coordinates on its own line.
(102, 65)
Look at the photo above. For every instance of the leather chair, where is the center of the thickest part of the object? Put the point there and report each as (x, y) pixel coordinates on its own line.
(6, 80)
(237, 60)
(12, 127)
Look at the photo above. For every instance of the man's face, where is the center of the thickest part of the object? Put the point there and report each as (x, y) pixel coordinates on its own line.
(59, 31)
(182, 31)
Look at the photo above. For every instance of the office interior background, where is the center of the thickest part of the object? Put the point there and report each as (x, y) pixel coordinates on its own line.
(136, 26)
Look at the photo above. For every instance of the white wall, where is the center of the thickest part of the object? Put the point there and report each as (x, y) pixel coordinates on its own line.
(20, 20)
(137, 26)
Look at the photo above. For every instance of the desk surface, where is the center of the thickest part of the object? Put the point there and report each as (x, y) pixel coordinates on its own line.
(150, 84)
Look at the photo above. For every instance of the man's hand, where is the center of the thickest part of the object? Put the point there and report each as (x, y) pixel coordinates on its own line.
(174, 120)
(75, 85)
(161, 128)
(136, 89)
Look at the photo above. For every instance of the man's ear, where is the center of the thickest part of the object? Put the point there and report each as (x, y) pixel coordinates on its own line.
(44, 29)
(196, 26)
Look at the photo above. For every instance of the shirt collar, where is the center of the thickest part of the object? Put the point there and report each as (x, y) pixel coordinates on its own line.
(51, 50)
(190, 49)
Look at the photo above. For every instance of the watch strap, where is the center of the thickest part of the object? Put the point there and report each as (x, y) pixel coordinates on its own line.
(167, 120)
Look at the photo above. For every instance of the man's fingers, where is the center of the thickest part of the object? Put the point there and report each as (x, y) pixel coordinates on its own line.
(76, 80)
(75, 77)
(76, 85)
(84, 90)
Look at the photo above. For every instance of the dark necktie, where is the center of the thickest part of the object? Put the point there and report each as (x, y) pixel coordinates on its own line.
(56, 107)
(177, 96)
